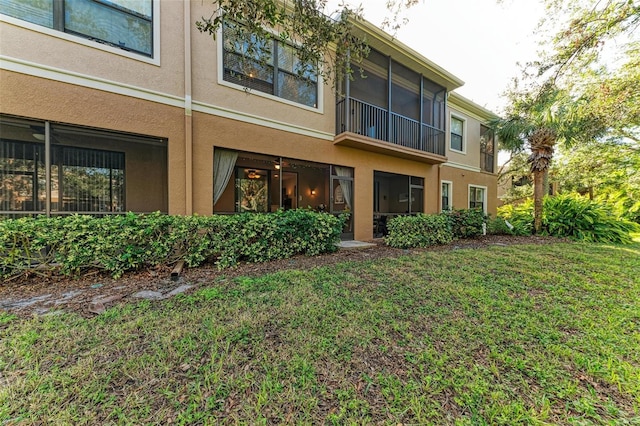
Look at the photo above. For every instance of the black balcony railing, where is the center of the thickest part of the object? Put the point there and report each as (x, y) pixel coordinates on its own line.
(375, 122)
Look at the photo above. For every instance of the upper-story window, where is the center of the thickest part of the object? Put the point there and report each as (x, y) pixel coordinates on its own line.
(269, 66)
(486, 149)
(125, 24)
(457, 134)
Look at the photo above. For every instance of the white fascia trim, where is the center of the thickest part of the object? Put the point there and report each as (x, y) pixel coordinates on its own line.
(260, 121)
(94, 44)
(461, 166)
(70, 77)
(65, 76)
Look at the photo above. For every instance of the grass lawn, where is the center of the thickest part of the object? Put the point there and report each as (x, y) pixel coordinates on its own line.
(512, 335)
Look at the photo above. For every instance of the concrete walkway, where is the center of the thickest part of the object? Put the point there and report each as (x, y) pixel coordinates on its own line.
(354, 244)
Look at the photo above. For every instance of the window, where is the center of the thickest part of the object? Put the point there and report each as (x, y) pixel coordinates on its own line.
(87, 180)
(397, 194)
(268, 66)
(445, 193)
(457, 134)
(486, 149)
(90, 171)
(125, 24)
(82, 180)
(477, 197)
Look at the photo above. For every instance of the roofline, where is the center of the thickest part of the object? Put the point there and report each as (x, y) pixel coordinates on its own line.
(380, 40)
(468, 105)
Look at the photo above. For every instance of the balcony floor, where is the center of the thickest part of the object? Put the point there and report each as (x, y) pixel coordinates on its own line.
(366, 143)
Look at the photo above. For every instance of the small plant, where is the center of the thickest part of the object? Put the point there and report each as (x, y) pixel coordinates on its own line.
(520, 216)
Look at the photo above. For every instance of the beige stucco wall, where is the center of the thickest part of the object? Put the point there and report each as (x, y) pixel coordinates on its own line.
(44, 99)
(461, 179)
(88, 58)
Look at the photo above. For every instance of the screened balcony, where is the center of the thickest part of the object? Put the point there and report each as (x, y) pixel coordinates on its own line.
(392, 108)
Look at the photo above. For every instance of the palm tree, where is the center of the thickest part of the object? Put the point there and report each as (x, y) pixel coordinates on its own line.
(538, 123)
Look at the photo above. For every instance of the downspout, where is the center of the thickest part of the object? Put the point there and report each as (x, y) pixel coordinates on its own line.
(188, 119)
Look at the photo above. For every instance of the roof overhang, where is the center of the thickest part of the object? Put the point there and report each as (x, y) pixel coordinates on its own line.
(466, 105)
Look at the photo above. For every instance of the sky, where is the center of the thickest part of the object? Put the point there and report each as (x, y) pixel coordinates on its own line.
(479, 41)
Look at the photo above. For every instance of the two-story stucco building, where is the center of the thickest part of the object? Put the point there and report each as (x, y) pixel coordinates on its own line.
(124, 105)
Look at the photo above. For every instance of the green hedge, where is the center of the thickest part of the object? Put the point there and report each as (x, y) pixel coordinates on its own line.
(72, 244)
(418, 231)
(466, 223)
(425, 230)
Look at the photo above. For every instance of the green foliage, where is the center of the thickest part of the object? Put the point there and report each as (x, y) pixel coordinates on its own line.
(419, 231)
(498, 226)
(466, 223)
(520, 216)
(572, 216)
(425, 230)
(583, 219)
(606, 170)
(73, 244)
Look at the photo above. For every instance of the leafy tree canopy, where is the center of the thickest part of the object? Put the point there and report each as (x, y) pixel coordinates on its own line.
(584, 84)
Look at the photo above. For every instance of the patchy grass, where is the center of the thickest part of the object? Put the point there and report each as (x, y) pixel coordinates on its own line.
(505, 335)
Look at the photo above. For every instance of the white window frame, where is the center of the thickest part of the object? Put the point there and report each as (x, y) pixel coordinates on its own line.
(464, 133)
(484, 196)
(154, 60)
(319, 108)
(448, 182)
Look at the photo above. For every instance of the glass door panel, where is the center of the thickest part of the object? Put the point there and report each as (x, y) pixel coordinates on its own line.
(252, 191)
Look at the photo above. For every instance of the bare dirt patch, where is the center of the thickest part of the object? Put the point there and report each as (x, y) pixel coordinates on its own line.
(95, 291)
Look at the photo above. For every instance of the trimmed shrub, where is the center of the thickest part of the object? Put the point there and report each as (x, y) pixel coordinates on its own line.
(418, 231)
(72, 244)
(466, 223)
(580, 218)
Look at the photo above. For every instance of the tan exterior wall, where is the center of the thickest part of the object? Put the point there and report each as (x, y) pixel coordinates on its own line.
(461, 179)
(211, 132)
(65, 103)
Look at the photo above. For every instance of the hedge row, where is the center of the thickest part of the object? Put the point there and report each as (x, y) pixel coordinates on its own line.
(71, 244)
(424, 230)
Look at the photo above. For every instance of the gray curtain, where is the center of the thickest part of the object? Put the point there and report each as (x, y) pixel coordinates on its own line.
(224, 161)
